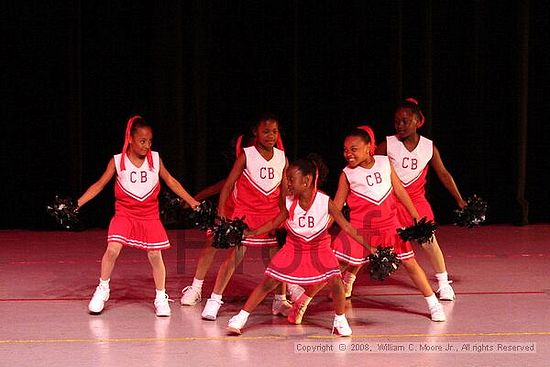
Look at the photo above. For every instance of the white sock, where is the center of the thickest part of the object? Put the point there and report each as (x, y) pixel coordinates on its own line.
(243, 314)
(197, 283)
(339, 317)
(161, 293)
(217, 297)
(104, 283)
(442, 278)
(431, 300)
(280, 297)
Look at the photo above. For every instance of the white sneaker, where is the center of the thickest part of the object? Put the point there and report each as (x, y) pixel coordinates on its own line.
(437, 313)
(191, 296)
(296, 313)
(294, 291)
(162, 307)
(236, 323)
(211, 309)
(446, 292)
(341, 327)
(101, 295)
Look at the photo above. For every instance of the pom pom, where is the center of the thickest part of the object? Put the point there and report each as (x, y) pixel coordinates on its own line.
(280, 234)
(204, 216)
(473, 214)
(228, 233)
(65, 213)
(382, 263)
(421, 231)
(169, 208)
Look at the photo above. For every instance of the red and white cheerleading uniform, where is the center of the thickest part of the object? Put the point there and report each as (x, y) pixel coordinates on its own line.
(257, 191)
(372, 212)
(412, 170)
(136, 222)
(306, 258)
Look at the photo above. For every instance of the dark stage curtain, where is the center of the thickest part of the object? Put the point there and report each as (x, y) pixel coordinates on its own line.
(201, 70)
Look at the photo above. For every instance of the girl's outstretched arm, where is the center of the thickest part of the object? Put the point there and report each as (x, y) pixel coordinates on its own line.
(210, 190)
(342, 191)
(446, 178)
(96, 187)
(346, 226)
(176, 187)
(238, 168)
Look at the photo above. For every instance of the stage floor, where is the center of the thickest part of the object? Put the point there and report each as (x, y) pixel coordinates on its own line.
(500, 274)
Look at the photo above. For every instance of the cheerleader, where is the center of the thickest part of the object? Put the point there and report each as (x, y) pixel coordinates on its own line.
(412, 154)
(306, 258)
(255, 184)
(136, 222)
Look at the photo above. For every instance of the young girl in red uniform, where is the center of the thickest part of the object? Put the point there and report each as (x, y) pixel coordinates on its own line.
(412, 154)
(369, 185)
(136, 222)
(306, 258)
(255, 183)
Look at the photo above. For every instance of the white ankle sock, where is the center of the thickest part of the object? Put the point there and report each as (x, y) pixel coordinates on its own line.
(431, 300)
(244, 314)
(442, 278)
(161, 293)
(104, 283)
(217, 297)
(339, 317)
(197, 283)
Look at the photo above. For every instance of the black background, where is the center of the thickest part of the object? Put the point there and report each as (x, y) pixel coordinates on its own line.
(200, 70)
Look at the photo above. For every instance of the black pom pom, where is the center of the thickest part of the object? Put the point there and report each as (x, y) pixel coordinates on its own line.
(228, 233)
(204, 216)
(382, 263)
(169, 208)
(420, 232)
(280, 234)
(65, 212)
(473, 214)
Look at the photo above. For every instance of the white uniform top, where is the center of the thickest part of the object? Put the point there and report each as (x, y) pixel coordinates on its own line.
(372, 184)
(308, 225)
(409, 165)
(138, 182)
(264, 175)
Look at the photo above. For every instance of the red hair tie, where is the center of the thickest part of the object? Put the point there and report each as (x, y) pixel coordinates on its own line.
(422, 118)
(369, 131)
(127, 137)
